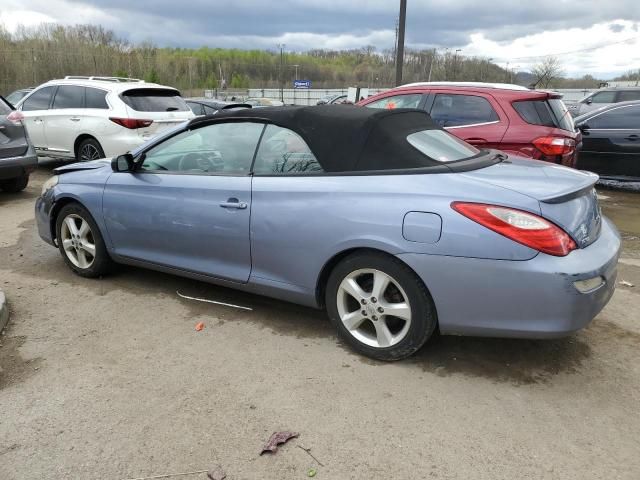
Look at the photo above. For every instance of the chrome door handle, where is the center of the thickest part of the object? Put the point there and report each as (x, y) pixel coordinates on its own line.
(234, 203)
(632, 138)
(75, 119)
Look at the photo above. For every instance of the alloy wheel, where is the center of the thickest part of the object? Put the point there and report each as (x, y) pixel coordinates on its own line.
(374, 308)
(78, 241)
(89, 152)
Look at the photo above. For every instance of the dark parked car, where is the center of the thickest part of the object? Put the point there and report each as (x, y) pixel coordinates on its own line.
(511, 118)
(602, 98)
(611, 140)
(17, 156)
(14, 97)
(201, 106)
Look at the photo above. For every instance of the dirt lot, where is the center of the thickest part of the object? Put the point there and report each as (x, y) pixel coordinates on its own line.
(107, 379)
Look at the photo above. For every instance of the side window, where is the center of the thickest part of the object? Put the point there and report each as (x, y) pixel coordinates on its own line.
(208, 110)
(604, 97)
(221, 148)
(627, 95)
(397, 101)
(627, 118)
(39, 100)
(196, 108)
(96, 98)
(452, 110)
(69, 96)
(283, 152)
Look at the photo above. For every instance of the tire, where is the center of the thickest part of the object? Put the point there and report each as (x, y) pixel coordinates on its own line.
(15, 185)
(367, 316)
(75, 246)
(88, 150)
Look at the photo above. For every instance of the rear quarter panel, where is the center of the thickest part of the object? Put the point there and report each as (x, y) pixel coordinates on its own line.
(299, 223)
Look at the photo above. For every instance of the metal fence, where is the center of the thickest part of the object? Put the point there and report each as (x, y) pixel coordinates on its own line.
(310, 96)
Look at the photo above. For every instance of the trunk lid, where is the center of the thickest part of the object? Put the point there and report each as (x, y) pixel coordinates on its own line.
(567, 197)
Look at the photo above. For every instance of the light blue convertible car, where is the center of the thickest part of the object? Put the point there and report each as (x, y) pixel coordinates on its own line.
(393, 225)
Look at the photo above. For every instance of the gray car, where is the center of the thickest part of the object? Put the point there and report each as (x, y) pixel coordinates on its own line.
(17, 156)
(392, 224)
(602, 98)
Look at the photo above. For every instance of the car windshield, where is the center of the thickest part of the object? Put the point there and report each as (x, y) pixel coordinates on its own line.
(155, 100)
(441, 146)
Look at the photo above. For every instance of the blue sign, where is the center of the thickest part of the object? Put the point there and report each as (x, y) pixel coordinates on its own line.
(302, 84)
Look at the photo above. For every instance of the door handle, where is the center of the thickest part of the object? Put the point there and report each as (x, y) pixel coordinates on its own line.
(75, 119)
(475, 141)
(632, 138)
(234, 203)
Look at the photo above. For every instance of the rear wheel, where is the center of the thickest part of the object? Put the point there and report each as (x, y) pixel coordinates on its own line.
(80, 242)
(88, 150)
(380, 306)
(15, 185)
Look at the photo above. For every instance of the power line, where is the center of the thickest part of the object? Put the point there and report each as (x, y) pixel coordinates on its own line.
(582, 50)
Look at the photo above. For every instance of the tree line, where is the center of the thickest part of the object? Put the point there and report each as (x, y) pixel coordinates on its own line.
(31, 56)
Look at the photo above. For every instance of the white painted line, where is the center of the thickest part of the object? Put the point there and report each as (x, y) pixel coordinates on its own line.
(213, 301)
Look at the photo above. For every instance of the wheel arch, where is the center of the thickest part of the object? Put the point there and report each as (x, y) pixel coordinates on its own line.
(81, 138)
(325, 272)
(59, 204)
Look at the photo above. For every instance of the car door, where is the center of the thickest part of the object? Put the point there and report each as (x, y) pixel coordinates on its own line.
(611, 142)
(35, 108)
(65, 119)
(472, 117)
(188, 204)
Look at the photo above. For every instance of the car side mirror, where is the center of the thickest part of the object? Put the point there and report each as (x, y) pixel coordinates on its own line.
(122, 163)
(589, 101)
(583, 127)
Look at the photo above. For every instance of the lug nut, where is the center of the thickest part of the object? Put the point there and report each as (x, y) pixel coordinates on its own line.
(373, 299)
(364, 312)
(380, 309)
(374, 317)
(364, 302)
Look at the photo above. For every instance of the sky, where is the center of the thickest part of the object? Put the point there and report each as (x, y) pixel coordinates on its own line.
(601, 38)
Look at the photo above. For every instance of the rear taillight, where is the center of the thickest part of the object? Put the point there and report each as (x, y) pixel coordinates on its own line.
(131, 123)
(15, 117)
(522, 227)
(555, 145)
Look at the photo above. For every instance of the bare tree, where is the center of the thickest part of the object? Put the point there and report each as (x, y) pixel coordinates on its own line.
(545, 72)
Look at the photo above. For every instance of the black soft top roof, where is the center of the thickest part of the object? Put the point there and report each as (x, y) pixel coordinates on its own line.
(347, 138)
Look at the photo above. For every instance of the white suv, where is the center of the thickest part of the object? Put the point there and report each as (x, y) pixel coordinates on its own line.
(87, 118)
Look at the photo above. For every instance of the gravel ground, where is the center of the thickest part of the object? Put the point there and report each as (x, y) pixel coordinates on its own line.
(108, 379)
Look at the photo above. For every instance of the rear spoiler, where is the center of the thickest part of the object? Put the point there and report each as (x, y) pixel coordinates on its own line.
(546, 95)
(587, 183)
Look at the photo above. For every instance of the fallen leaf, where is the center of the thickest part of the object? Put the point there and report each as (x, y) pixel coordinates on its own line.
(276, 439)
(312, 472)
(216, 473)
(199, 326)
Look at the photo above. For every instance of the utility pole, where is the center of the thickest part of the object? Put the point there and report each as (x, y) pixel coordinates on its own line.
(455, 63)
(400, 46)
(281, 47)
(433, 59)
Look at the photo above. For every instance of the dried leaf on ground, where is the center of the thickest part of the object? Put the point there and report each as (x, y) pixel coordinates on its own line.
(276, 439)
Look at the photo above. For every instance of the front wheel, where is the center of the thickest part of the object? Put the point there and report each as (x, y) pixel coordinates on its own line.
(80, 242)
(380, 306)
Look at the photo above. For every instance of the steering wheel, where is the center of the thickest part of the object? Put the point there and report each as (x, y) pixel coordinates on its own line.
(211, 162)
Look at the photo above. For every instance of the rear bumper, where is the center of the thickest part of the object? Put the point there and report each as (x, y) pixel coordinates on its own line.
(16, 167)
(536, 298)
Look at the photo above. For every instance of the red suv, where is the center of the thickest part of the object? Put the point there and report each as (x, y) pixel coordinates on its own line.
(514, 119)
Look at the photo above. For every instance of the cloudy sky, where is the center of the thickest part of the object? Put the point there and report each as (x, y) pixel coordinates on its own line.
(601, 37)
